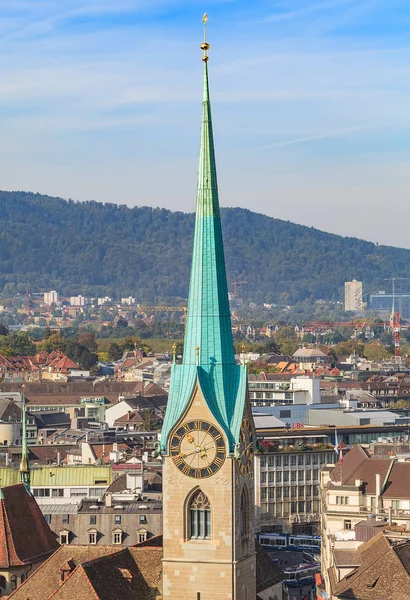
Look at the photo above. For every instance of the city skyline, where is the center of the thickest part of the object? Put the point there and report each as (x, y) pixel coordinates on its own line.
(99, 101)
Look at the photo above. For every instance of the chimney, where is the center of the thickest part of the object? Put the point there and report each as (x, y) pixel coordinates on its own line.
(58, 458)
(378, 487)
(108, 500)
(390, 516)
(65, 570)
(358, 483)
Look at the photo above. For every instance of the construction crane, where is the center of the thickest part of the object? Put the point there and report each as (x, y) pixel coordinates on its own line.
(235, 286)
(395, 318)
(27, 308)
(396, 336)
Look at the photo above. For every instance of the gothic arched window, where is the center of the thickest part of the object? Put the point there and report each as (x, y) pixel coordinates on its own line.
(244, 514)
(199, 516)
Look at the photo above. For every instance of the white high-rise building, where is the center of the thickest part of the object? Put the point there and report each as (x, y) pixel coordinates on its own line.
(353, 295)
(78, 300)
(130, 300)
(50, 297)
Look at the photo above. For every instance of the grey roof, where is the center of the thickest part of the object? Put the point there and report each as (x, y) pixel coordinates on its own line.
(58, 509)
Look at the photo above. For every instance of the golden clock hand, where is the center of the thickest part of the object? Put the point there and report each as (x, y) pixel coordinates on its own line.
(207, 446)
(193, 458)
(186, 454)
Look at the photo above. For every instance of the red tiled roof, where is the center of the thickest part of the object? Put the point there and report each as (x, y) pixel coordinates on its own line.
(398, 482)
(63, 363)
(25, 536)
(97, 573)
(102, 451)
(130, 417)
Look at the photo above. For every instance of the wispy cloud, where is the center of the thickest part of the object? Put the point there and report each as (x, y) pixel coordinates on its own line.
(121, 80)
(309, 9)
(312, 138)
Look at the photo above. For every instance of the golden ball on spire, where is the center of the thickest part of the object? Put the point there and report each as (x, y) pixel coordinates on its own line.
(205, 46)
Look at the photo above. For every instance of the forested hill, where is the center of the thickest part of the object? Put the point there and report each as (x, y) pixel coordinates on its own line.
(106, 249)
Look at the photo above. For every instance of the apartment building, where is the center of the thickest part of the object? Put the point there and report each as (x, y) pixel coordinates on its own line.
(283, 390)
(51, 297)
(360, 488)
(115, 520)
(353, 295)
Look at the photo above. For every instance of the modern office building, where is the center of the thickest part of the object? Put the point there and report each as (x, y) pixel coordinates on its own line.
(384, 303)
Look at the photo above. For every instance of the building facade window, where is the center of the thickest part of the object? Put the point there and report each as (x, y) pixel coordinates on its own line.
(342, 500)
(48, 518)
(118, 519)
(244, 514)
(199, 516)
(347, 524)
(65, 519)
(143, 519)
(92, 536)
(13, 582)
(64, 537)
(93, 519)
(117, 536)
(41, 493)
(142, 536)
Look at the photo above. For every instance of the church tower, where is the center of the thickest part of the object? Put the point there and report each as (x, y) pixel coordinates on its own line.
(208, 437)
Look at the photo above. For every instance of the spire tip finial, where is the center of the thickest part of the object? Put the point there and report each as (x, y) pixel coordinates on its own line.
(205, 46)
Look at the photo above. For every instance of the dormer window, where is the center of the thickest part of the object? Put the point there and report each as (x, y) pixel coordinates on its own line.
(92, 536)
(117, 536)
(64, 537)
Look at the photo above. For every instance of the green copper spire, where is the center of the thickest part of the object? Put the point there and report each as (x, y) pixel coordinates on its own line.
(24, 464)
(209, 356)
(208, 323)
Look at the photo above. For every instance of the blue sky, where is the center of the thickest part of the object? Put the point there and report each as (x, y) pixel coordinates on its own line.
(101, 99)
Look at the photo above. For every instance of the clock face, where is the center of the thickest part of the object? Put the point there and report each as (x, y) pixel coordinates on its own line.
(198, 449)
(246, 447)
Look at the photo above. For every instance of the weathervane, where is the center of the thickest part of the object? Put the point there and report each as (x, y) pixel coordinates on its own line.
(205, 46)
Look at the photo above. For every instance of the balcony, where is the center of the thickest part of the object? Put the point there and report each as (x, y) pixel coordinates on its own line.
(397, 513)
